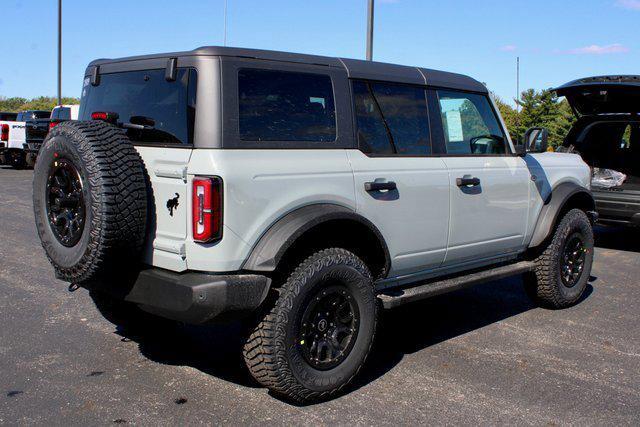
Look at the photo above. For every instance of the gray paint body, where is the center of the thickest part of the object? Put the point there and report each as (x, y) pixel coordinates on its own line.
(272, 196)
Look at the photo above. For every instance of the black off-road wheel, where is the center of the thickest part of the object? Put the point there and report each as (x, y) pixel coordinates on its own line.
(317, 335)
(564, 265)
(16, 158)
(90, 202)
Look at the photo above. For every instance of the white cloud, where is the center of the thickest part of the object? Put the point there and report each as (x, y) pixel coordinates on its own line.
(595, 49)
(628, 4)
(509, 48)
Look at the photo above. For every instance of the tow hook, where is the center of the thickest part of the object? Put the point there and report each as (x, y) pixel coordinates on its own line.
(73, 287)
(593, 217)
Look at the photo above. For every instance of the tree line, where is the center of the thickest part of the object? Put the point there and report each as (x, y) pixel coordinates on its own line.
(17, 104)
(537, 108)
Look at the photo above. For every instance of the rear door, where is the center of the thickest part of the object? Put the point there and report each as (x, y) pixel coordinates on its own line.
(489, 185)
(158, 116)
(399, 186)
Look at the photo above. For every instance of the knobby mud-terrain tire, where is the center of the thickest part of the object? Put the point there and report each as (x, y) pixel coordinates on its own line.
(552, 284)
(90, 202)
(279, 353)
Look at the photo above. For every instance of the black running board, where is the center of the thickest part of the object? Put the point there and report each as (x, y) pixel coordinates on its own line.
(395, 297)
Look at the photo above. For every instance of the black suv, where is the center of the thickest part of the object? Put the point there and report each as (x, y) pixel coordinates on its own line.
(607, 135)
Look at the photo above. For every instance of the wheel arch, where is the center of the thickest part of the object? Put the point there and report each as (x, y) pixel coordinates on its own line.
(314, 226)
(565, 196)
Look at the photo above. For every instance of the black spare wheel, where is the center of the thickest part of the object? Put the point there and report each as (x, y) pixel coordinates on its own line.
(90, 201)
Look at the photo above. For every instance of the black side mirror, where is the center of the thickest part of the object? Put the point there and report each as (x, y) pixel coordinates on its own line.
(536, 140)
(521, 150)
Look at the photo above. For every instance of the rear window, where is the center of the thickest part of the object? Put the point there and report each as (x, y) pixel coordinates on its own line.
(8, 116)
(165, 109)
(285, 106)
(33, 115)
(62, 113)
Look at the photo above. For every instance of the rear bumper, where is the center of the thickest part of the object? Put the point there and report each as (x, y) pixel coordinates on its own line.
(198, 297)
(618, 207)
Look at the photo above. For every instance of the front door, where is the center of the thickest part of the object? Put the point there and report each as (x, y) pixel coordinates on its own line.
(399, 186)
(489, 185)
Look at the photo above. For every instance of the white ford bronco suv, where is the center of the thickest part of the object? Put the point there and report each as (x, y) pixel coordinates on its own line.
(305, 191)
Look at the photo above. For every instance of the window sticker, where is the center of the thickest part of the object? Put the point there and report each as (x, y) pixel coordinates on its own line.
(454, 126)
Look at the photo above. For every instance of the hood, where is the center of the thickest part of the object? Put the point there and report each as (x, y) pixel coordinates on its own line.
(593, 96)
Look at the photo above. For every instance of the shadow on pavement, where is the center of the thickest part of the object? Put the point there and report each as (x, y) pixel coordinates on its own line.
(217, 350)
(619, 238)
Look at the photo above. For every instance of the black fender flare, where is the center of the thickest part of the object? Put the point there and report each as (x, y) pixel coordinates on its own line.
(553, 206)
(273, 244)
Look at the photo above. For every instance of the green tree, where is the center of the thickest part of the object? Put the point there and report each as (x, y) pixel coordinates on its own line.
(11, 104)
(17, 104)
(508, 114)
(544, 109)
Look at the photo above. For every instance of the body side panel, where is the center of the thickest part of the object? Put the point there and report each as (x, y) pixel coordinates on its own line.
(260, 187)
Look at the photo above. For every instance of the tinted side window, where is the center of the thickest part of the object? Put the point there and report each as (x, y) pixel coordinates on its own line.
(285, 106)
(404, 108)
(146, 98)
(373, 136)
(397, 113)
(470, 124)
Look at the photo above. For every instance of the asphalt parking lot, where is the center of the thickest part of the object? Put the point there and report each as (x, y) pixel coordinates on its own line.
(479, 356)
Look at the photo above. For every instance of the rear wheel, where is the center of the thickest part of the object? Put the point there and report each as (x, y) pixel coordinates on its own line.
(16, 158)
(563, 268)
(316, 337)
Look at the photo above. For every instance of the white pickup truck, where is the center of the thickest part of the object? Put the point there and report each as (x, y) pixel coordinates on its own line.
(12, 140)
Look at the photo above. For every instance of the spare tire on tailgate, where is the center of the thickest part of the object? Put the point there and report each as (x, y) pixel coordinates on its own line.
(90, 201)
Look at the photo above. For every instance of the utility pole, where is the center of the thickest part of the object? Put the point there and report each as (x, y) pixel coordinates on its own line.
(225, 22)
(370, 30)
(59, 52)
(517, 90)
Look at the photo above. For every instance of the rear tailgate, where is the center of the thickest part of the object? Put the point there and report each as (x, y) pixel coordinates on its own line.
(36, 132)
(603, 95)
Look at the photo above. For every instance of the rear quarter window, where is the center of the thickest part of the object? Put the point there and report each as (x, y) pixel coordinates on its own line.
(285, 106)
(166, 109)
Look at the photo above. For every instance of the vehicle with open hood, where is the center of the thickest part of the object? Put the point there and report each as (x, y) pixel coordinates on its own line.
(607, 135)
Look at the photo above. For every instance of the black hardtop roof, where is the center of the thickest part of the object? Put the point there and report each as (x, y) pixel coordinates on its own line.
(355, 68)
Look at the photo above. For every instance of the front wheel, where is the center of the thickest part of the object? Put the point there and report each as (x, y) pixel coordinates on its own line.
(562, 270)
(317, 336)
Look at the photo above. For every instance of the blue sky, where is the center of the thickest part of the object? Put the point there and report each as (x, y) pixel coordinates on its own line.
(557, 41)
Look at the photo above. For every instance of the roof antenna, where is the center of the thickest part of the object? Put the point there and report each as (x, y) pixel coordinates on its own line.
(225, 22)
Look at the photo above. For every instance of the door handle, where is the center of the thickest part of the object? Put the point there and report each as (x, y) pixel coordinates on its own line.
(467, 181)
(378, 186)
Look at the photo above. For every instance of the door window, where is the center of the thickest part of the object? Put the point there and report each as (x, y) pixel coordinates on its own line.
(392, 119)
(470, 124)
